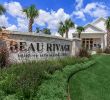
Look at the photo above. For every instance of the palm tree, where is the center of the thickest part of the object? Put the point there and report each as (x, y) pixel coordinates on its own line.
(68, 24)
(46, 31)
(61, 29)
(64, 27)
(37, 30)
(2, 10)
(0, 29)
(80, 29)
(31, 13)
(107, 23)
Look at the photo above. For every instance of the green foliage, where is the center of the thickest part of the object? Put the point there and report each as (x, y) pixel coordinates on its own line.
(31, 12)
(107, 50)
(37, 30)
(2, 9)
(46, 31)
(4, 56)
(0, 29)
(84, 53)
(56, 87)
(99, 51)
(61, 29)
(65, 26)
(80, 29)
(107, 23)
(2, 94)
(23, 80)
(10, 97)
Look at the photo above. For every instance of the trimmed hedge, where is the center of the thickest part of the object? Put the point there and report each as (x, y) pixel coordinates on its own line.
(56, 87)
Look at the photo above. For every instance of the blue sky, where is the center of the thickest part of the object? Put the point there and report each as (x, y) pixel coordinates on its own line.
(52, 12)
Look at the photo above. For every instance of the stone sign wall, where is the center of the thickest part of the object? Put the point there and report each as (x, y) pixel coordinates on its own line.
(27, 46)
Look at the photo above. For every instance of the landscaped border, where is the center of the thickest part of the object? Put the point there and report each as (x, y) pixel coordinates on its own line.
(56, 87)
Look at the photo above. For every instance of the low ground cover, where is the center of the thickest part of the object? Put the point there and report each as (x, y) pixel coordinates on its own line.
(92, 83)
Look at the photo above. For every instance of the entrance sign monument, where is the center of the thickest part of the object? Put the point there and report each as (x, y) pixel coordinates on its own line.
(30, 46)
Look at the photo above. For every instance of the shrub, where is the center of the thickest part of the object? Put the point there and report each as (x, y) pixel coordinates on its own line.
(0, 29)
(10, 97)
(68, 61)
(99, 51)
(107, 50)
(84, 53)
(2, 95)
(4, 57)
(23, 80)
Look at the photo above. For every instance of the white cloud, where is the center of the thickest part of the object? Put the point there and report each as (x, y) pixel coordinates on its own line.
(43, 18)
(90, 7)
(22, 24)
(14, 9)
(48, 19)
(100, 13)
(4, 21)
(12, 28)
(79, 15)
(51, 19)
(79, 4)
(94, 9)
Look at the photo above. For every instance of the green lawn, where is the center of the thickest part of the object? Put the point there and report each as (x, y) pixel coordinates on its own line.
(92, 83)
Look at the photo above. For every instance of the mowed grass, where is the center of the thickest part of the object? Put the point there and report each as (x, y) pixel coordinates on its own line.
(92, 83)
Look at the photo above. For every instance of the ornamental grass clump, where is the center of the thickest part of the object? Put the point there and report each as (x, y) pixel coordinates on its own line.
(4, 57)
(99, 51)
(84, 53)
(107, 50)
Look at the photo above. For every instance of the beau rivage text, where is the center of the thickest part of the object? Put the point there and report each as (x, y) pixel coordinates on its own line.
(38, 46)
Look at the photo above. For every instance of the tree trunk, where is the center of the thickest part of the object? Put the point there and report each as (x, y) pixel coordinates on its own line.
(79, 35)
(30, 25)
(108, 39)
(66, 34)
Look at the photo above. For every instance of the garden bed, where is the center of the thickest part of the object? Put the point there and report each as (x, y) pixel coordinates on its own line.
(22, 81)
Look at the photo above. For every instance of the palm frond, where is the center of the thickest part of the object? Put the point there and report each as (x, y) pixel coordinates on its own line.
(2, 9)
(31, 12)
(107, 23)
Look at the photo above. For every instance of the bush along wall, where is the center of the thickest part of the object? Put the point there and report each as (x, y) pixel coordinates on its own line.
(22, 81)
(4, 57)
(56, 87)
